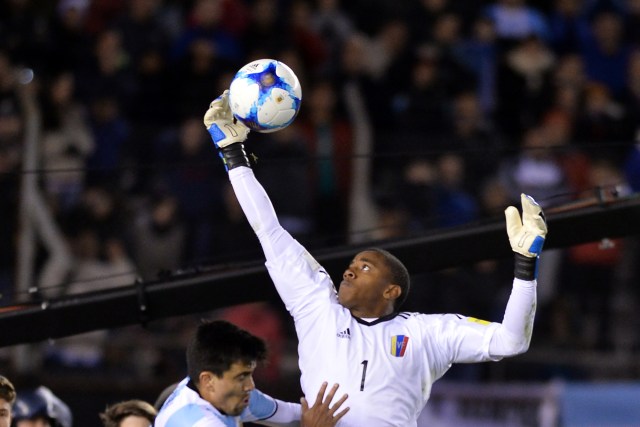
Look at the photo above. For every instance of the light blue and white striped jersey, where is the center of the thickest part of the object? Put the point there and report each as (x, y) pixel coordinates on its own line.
(185, 408)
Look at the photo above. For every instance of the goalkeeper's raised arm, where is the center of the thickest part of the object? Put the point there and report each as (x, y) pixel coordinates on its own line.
(526, 236)
(358, 337)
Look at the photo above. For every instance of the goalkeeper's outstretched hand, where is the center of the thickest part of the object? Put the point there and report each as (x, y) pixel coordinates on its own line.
(222, 126)
(526, 234)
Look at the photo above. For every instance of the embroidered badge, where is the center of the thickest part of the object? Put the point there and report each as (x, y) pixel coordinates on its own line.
(399, 345)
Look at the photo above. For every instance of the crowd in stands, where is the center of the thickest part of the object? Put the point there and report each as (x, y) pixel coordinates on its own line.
(464, 104)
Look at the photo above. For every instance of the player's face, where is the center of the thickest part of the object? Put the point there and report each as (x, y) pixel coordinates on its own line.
(363, 284)
(231, 391)
(5, 413)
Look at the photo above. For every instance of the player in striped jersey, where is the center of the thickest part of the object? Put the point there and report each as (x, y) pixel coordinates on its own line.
(219, 390)
(386, 360)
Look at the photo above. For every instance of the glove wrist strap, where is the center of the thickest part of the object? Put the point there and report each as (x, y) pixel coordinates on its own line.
(234, 156)
(525, 267)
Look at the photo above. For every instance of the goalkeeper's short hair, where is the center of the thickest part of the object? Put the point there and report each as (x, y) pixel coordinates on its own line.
(399, 275)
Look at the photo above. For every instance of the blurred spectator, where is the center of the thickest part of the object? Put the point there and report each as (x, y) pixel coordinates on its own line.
(602, 125)
(108, 73)
(479, 54)
(455, 205)
(420, 109)
(575, 163)
(306, 39)
(39, 407)
(329, 139)
(141, 29)
(569, 26)
(231, 239)
(266, 33)
(389, 55)
(474, 139)
(569, 83)
(195, 76)
(333, 25)
(606, 54)
(190, 175)
(151, 103)
(422, 16)
(7, 399)
(101, 13)
(514, 20)
(447, 37)
(289, 153)
(158, 237)
(129, 413)
(111, 133)
(98, 265)
(416, 192)
(205, 23)
(592, 269)
(99, 210)
(67, 142)
(69, 45)
(535, 170)
(524, 85)
(24, 32)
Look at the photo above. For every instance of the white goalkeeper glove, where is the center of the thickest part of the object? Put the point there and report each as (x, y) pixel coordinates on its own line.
(222, 126)
(526, 235)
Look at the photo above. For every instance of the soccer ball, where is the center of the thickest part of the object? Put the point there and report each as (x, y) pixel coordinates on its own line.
(265, 95)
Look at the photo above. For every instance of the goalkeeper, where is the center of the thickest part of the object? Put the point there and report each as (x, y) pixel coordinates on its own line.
(384, 359)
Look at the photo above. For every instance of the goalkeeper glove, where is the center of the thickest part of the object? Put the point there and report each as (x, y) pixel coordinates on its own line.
(226, 132)
(526, 236)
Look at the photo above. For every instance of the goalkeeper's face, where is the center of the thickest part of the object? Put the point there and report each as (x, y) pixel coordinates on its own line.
(365, 288)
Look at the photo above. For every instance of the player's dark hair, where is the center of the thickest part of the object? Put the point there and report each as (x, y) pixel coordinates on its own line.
(218, 344)
(399, 275)
(7, 390)
(114, 414)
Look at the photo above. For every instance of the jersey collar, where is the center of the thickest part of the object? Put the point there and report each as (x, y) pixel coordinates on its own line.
(376, 321)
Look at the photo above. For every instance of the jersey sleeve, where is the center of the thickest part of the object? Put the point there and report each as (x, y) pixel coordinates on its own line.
(263, 407)
(461, 339)
(452, 338)
(300, 281)
(513, 336)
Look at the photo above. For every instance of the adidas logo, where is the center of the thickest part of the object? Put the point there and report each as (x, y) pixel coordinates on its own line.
(344, 334)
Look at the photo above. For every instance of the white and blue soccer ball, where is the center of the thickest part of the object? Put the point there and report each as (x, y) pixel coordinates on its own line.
(265, 95)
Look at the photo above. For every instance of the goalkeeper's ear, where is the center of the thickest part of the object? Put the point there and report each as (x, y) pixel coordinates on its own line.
(392, 292)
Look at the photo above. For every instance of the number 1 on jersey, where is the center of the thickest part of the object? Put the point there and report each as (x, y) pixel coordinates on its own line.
(364, 373)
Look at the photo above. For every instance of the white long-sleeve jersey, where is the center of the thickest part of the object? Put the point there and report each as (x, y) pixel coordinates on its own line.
(185, 408)
(388, 365)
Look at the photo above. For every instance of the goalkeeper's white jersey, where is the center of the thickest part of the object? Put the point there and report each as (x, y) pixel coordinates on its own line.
(185, 408)
(387, 366)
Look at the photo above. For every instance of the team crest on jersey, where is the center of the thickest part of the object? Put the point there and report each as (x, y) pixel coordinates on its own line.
(399, 345)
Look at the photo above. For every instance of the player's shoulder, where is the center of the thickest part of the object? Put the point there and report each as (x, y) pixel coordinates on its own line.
(413, 315)
(427, 318)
